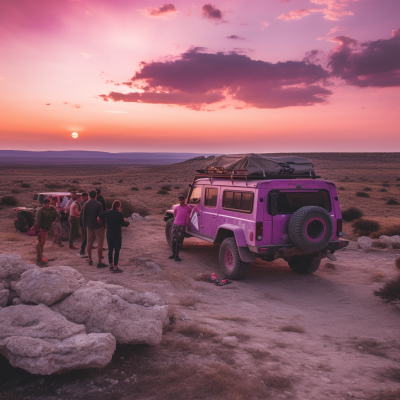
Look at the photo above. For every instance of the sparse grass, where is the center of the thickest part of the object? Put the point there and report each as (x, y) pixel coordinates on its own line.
(270, 296)
(197, 332)
(352, 213)
(166, 187)
(242, 337)
(148, 188)
(330, 265)
(189, 301)
(55, 185)
(276, 381)
(233, 319)
(96, 183)
(390, 291)
(341, 188)
(398, 179)
(365, 227)
(177, 187)
(8, 201)
(135, 189)
(75, 181)
(391, 230)
(386, 395)
(362, 194)
(15, 191)
(392, 202)
(292, 328)
(379, 245)
(258, 354)
(121, 181)
(162, 192)
(370, 346)
(377, 277)
(382, 190)
(385, 184)
(128, 208)
(12, 238)
(367, 189)
(25, 185)
(391, 373)
(397, 262)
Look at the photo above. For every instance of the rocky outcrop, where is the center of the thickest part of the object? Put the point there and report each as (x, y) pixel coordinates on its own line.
(42, 341)
(4, 294)
(390, 240)
(12, 267)
(48, 285)
(364, 242)
(129, 316)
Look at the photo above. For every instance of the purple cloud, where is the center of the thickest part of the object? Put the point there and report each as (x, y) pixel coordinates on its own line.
(211, 12)
(160, 12)
(375, 63)
(235, 37)
(197, 78)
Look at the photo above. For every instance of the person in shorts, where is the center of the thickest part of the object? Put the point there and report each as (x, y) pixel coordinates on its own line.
(85, 198)
(181, 221)
(91, 210)
(44, 218)
(73, 219)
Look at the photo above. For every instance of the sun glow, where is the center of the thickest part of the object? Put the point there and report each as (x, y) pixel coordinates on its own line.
(74, 135)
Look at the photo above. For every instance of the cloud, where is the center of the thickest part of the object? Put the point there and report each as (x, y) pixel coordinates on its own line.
(211, 12)
(374, 63)
(333, 10)
(196, 79)
(85, 54)
(165, 11)
(285, 1)
(265, 24)
(331, 32)
(235, 37)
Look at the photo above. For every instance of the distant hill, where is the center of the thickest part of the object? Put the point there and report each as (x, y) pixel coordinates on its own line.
(81, 157)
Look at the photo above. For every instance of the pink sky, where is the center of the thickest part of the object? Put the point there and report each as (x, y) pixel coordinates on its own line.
(227, 77)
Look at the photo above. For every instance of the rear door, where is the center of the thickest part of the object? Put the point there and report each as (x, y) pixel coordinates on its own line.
(195, 224)
(210, 210)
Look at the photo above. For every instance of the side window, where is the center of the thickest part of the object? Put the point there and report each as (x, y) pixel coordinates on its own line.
(195, 196)
(35, 197)
(238, 201)
(211, 197)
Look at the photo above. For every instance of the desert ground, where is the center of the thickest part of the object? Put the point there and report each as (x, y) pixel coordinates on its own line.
(320, 336)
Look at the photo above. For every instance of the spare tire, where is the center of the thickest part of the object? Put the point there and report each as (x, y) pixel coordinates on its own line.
(310, 228)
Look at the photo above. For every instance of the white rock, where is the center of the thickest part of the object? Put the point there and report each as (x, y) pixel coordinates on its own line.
(136, 217)
(148, 218)
(390, 240)
(230, 341)
(184, 316)
(153, 267)
(48, 285)
(4, 293)
(364, 242)
(42, 341)
(131, 317)
(12, 267)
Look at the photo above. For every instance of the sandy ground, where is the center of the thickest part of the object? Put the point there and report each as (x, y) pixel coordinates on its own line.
(323, 336)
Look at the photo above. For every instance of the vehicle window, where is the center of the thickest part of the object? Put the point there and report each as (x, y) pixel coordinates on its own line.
(211, 197)
(288, 202)
(195, 196)
(238, 201)
(35, 197)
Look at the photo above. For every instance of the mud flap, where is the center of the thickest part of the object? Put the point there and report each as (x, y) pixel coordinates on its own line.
(330, 255)
(246, 255)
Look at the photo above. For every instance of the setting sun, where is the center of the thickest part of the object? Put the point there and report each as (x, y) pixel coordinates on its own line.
(74, 135)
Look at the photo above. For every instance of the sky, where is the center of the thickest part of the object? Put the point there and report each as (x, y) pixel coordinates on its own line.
(220, 77)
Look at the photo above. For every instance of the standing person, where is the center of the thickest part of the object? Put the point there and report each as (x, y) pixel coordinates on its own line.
(91, 210)
(44, 218)
(73, 219)
(56, 227)
(181, 221)
(82, 254)
(71, 200)
(100, 198)
(115, 220)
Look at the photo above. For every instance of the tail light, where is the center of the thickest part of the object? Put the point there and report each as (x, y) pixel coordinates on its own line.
(259, 230)
(339, 227)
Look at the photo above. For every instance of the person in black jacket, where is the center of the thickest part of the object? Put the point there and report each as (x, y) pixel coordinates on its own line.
(115, 220)
(100, 198)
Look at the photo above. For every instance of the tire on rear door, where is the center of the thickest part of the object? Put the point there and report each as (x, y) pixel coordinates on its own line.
(310, 228)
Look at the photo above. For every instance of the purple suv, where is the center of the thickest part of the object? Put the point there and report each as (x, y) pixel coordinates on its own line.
(292, 218)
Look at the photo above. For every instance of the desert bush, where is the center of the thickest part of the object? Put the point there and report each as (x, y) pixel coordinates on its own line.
(341, 188)
(166, 187)
(367, 189)
(25, 185)
(96, 183)
(382, 190)
(75, 181)
(292, 328)
(398, 179)
(148, 188)
(135, 189)
(162, 192)
(365, 226)
(17, 181)
(128, 208)
(188, 301)
(121, 181)
(385, 184)
(377, 277)
(362, 194)
(55, 185)
(396, 246)
(15, 191)
(390, 291)
(352, 213)
(398, 185)
(197, 331)
(391, 230)
(370, 346)
(397, 262)
(177, 187)
(8, 201)
(392, 202)
(276, 381)
(379, 245)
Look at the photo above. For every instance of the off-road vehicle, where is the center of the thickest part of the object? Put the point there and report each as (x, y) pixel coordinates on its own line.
(257, 206)
(26, 215)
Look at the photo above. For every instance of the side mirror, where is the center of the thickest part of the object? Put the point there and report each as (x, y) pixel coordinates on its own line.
(274, 203)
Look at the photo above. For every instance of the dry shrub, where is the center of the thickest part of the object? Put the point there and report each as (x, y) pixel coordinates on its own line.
(380, 245)
(242, 337)
(96, 183)
(392, 202)
(233, 319)
(385, 184)
(386, 395)
(25, 185)
(377, 277)
(75, 181)
(292, 328)
(391, 373)
(55, 185)
(341, 188)
(121, 181)
(135, 189)
(397, 179)
(12, 238)
(362, 194)
(352, 213)
(392, 230)
(128, 208)
(330, 265)
(397, 262)
(390, 291)
(365, 227)
(382, 190)
(258, 354)
(188, 301)
(367, 189)
(166, 187)
(370, 346)
(396, 246)
(276, 381)
(15, 191)
(8, 201)
(162, 192)
(197, 332)
(148, 188)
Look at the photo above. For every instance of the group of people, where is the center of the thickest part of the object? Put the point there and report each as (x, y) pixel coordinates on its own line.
(88, 213)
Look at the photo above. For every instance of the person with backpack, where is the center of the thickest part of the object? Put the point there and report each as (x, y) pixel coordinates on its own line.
(73, 219)
(44, 220)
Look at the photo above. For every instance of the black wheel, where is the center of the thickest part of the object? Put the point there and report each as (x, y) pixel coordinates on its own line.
(229, 260)
(21, 223)
(168, 231)
(304, 265)
(64, 230)
(310, 228)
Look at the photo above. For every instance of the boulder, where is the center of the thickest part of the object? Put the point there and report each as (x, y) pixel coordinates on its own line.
(4, 293)
(365, 242)
(136, 217)
(153, 267)
(230, 341)
(48, 285)
(129, 316)
(12, 267)
(390, 240)
(42, 341)
(16, 301)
